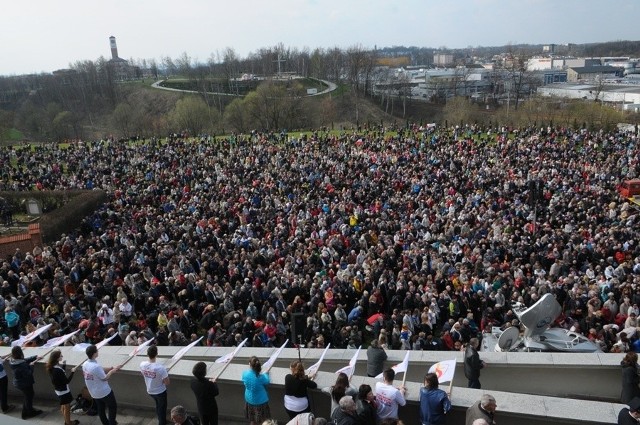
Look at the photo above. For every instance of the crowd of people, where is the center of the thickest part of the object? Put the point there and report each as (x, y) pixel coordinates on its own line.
(420, 241)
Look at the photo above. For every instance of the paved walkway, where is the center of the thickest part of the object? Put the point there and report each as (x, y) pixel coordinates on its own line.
(52, 415)
(330, 87)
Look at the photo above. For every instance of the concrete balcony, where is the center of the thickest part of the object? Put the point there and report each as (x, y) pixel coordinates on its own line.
(530, 388)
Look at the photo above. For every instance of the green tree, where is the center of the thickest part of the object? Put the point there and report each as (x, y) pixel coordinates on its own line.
(460, 110)
(62, 126)
(123, 119)
(191, 114)
(236, 115)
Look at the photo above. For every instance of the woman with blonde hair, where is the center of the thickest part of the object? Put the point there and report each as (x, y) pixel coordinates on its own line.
(60, 381)
(296, 384)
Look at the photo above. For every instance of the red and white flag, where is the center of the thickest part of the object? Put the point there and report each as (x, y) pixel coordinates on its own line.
(59, 340)
(444, 370)
(30, 337)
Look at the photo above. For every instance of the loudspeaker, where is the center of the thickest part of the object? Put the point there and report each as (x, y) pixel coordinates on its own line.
(298, 326)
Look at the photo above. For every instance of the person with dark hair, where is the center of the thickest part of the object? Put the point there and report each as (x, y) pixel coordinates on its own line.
(434, 403)
(630, 378)
(296, 384)
(365, 405)
(388, 397)
(4, 388)
(630, 415)
(206, 391)
(255, 392)
(339, 390)
(472, 363)
(23, 380)
(60, 381)
(96, 379)
(156, 379)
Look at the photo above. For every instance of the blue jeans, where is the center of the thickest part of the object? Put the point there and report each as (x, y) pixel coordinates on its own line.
(104, 403)
(161, 407)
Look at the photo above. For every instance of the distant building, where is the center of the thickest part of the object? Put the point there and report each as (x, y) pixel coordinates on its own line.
(592, 72)
(443, 59)
(121, 68)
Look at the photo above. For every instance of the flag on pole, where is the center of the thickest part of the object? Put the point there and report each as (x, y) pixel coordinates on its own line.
(444, 370)
(83, 345)
(269, 363)
(139, 348)
(401, 367)
(105, 341)
(30, 337)
(59, 340)
(228, 357)
(349, 370)
(177, 356)
(313, 369)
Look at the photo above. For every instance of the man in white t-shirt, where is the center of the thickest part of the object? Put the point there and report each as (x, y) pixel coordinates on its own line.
(388, 397)
(156, 378)
(95, 378)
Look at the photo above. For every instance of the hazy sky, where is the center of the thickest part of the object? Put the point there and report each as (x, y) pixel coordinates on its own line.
(45, 35)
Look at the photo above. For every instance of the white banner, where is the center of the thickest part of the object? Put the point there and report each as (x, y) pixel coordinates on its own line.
(313, 369)
(59, 340)
(349, 370)
(401, 367)
(269, 363)
(177, 356)
(228, 357)
(30, 337)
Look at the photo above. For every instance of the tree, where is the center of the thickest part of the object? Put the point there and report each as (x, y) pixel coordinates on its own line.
(191, 114)
(123, 119)
(62, 126)
(460, 110)
(236, 115)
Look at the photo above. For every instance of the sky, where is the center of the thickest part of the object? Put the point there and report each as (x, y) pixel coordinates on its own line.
(44, 35)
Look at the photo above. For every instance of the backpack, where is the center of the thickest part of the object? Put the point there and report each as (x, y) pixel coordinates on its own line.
(84, 405)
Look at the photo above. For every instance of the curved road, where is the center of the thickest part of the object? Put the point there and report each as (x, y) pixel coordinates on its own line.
(330, 87)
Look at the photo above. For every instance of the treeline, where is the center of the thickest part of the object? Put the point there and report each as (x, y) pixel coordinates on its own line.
(98, 98)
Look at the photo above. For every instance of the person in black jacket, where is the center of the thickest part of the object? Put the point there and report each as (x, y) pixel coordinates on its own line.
(472, 363)
(365, 408)
(296, 383)
(205, 391)
(630, 379)
(23, 380)
(4, 384)
(60, 381)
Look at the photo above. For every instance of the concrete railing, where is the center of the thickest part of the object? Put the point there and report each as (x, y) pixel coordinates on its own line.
(508, 377)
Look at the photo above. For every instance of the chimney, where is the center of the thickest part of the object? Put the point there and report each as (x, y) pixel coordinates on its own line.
(114, 47)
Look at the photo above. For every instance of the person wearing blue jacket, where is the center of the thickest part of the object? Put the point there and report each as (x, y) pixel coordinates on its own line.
(23, 380)
(255, 393)
(434, 403)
